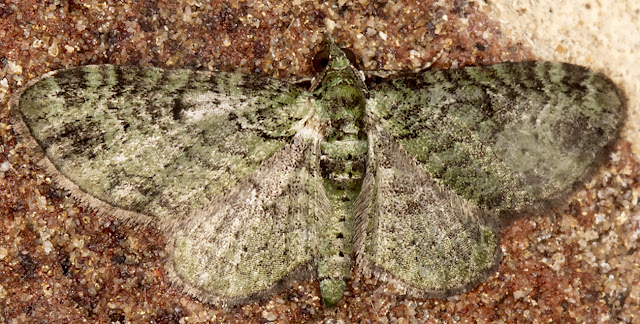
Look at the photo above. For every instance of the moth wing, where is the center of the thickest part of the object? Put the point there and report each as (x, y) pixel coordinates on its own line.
(152, 144)
(414, 232)
(254, 240)
(508, 137)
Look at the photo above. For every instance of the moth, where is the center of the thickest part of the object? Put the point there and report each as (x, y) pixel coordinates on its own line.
(257, 182)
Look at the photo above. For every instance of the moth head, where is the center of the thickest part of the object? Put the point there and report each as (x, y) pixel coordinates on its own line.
(334, 61)
(333, 57)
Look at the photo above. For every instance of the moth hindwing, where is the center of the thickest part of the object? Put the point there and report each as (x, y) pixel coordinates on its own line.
(257, 181)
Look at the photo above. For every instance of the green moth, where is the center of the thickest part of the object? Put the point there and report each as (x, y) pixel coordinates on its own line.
(257, 181)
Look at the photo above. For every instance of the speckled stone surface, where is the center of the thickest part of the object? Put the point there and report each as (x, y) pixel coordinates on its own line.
(577, 263)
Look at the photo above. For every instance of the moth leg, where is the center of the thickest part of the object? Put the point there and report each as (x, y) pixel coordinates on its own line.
(386, 74)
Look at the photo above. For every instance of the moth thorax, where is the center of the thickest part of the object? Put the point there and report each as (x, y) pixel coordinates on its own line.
(344, 102)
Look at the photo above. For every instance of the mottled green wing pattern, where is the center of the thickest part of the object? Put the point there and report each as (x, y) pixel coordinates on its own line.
(506, 136)
(156, 142)
(256, 181)
(249, 242)
(415, 232)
